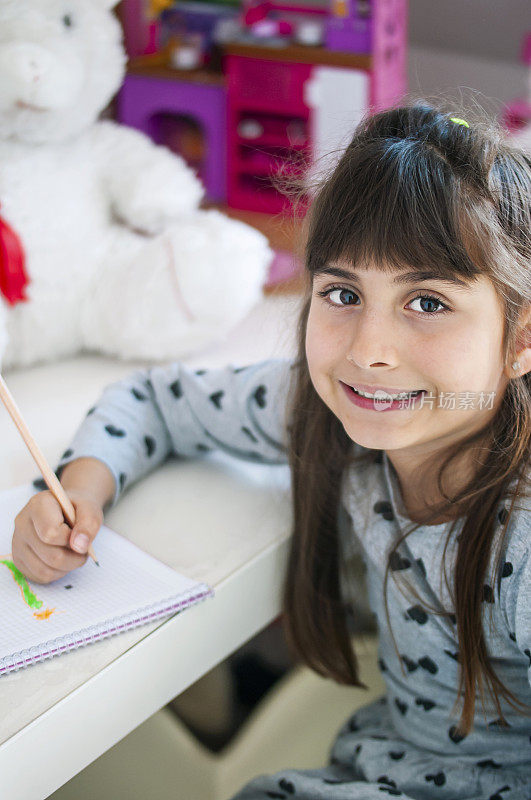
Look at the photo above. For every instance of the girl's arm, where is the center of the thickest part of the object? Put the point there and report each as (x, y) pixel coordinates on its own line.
(176, 410)
(92, 477)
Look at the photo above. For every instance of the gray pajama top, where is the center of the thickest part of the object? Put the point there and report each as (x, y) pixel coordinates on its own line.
(404, 744)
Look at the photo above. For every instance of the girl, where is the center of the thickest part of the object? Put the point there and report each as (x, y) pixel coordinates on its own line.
(406, 420)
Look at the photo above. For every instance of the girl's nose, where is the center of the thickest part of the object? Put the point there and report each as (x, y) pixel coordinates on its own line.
(373, 342)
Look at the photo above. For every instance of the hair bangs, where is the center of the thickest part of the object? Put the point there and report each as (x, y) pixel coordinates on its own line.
(393, 205)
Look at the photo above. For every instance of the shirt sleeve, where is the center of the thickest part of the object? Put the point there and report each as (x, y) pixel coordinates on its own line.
(515, 582)
(175, 410)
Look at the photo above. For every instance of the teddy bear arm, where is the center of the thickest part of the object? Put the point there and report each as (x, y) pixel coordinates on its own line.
(149, 187)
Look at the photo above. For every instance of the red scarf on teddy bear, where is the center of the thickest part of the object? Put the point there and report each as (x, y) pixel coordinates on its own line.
(13, 278)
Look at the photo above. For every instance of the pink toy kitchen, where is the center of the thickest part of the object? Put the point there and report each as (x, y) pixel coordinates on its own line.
(256, 94)
(253, 93)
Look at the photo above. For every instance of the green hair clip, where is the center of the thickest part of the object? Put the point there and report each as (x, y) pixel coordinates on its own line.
(459, 121)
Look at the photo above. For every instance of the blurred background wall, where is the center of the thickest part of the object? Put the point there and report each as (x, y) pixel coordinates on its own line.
(490, 29)
(476, 44)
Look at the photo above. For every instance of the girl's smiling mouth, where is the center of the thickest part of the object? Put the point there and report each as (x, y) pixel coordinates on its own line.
(382, 400)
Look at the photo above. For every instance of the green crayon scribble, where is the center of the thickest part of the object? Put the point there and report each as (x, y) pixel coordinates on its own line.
(27, 594)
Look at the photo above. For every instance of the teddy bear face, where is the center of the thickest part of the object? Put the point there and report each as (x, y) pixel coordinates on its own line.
(61, 61)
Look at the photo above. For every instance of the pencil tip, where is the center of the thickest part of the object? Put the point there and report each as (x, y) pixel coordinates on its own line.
(97, 563)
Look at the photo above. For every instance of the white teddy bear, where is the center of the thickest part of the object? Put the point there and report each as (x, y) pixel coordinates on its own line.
(117, 256)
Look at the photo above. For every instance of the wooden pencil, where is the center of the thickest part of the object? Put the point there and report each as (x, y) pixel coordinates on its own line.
(50, 478)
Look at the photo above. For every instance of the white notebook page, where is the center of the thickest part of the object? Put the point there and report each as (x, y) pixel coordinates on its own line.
(129, 588)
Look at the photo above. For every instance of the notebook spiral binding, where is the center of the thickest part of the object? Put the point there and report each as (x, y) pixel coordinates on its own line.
(110, 627)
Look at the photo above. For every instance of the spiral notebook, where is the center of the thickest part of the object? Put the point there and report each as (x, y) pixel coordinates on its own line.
(130, 588)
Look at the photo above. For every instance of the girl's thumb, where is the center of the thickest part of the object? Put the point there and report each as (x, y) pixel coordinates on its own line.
(84, 531)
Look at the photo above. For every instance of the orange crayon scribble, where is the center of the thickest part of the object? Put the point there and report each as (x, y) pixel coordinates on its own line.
(46, 614)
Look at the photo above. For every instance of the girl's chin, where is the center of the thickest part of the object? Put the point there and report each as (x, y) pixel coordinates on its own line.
(378, 437)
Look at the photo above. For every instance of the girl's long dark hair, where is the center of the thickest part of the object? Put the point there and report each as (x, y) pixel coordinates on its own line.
(413, 188)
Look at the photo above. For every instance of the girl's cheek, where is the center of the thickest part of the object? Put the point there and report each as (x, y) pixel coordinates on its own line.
(312, 348)
(312, 338)
(320, 338)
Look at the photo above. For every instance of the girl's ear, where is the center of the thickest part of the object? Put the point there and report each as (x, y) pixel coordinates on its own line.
(523, 348)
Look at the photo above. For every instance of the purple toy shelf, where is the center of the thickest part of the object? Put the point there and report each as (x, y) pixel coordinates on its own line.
(184, 111)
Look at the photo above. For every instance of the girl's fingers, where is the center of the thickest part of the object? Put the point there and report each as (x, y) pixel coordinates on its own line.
(61, 559)
(51, 533)
(36, 570)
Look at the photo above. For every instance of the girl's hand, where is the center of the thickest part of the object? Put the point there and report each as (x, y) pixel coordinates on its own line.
(43, 542)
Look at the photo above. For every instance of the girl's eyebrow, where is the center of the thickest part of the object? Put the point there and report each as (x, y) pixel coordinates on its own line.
(413, 276)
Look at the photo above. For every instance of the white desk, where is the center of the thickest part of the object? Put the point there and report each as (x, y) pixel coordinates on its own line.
(219, 520)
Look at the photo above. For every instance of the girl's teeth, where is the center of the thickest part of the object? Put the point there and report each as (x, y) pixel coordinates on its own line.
(383, 395)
